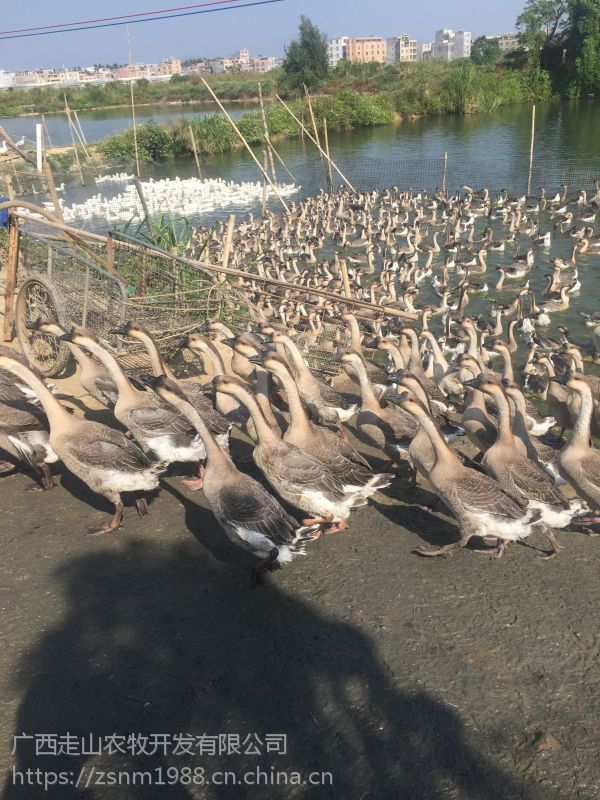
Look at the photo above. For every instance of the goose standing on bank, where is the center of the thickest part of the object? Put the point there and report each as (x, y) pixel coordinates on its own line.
(250, 516)
(103, 458)
(476, 501)
(158, 429)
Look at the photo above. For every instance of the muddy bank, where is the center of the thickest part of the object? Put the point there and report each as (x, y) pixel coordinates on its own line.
(403, 677)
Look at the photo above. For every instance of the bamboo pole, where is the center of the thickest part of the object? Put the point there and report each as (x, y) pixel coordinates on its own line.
(135, 139)
(46, 130)
(228, 241)
(71, 129)
(195, 149)
(82, 134)
(531, 151)
(329, 175)
(12, 263)
(445, 175)
(140, 191)
(345, 278)
(266, 132)
(333, 164)
(49, 175)
(247, 146)
(314, 122)
(265, 187)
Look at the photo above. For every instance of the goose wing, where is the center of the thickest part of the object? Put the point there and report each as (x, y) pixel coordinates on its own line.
(481, 494)
(246, 505)
(332, 398)
(161, 420)
(107, 388)
(106, 448)
(533, 483)
(300, 471)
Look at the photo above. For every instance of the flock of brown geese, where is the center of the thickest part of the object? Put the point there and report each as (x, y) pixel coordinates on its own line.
(417, 394)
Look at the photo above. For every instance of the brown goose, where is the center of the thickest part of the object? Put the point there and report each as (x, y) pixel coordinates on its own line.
(24, 427)
(250, 516)
(196, 393)
(476, 501)
(296, 475)
(384, 426)
(324, 404)
(103, 458)
(579, 462)
(93, 377)
(156, 427)
(521, 478)
(338, 455)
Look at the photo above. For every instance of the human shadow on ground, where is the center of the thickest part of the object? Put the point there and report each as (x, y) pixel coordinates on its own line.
(164, 641)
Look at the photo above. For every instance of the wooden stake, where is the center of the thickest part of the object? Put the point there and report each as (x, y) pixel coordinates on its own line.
(247, 146)
(345, 278)
(329, 175)
(333, 164)
(52, 190)
(140, 192)
(110, 254)
(531, 151)
(195, 149)
(46, 130)
(12, 264)
(445, 175)
(266, 132)
(135, 139)
(228, 242)
(314, 122)
(265, 187)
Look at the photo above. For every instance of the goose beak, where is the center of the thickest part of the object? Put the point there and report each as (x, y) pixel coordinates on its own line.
(258, 360)
(473, 383)
(149, 380)
(34, 326)
(183, 343)
(395, 377)
(561, 379)
(120, 330)
(66, 337)
(397, 399)
(229, 342)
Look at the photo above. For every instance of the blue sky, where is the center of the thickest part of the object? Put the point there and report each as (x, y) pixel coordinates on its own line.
(263, 30)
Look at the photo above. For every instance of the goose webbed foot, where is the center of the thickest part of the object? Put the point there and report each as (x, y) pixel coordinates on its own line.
(556, 547)
(432, 552)
(47, 482)
(265, 565)
(340, 526)
(108, 527)
(6, 467)
(195, 484)
(142, 506)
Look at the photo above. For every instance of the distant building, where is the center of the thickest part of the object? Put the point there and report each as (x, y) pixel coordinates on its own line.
(265, 63)
(401, 48)
(337, 50)
(6, 79)
(366, 48)
(170, 66)
(424, 51)
(462, 44)
(507, 41)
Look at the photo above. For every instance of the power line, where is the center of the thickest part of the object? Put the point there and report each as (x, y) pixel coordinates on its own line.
(112, 19)
(133, 21)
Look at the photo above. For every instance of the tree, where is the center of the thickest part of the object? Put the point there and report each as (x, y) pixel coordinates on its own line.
(543, 24)
(485, 51)
(306, 60)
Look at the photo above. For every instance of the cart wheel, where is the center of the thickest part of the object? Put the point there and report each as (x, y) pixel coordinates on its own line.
(38, 298)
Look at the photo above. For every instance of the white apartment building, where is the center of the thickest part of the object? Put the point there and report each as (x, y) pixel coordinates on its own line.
(462, 44)
(401, 48)
(337, 50)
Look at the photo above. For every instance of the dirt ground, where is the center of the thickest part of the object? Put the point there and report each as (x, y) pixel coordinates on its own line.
(403, 677)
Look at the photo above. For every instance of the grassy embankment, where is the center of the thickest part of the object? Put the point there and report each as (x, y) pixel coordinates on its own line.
(363, 96)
